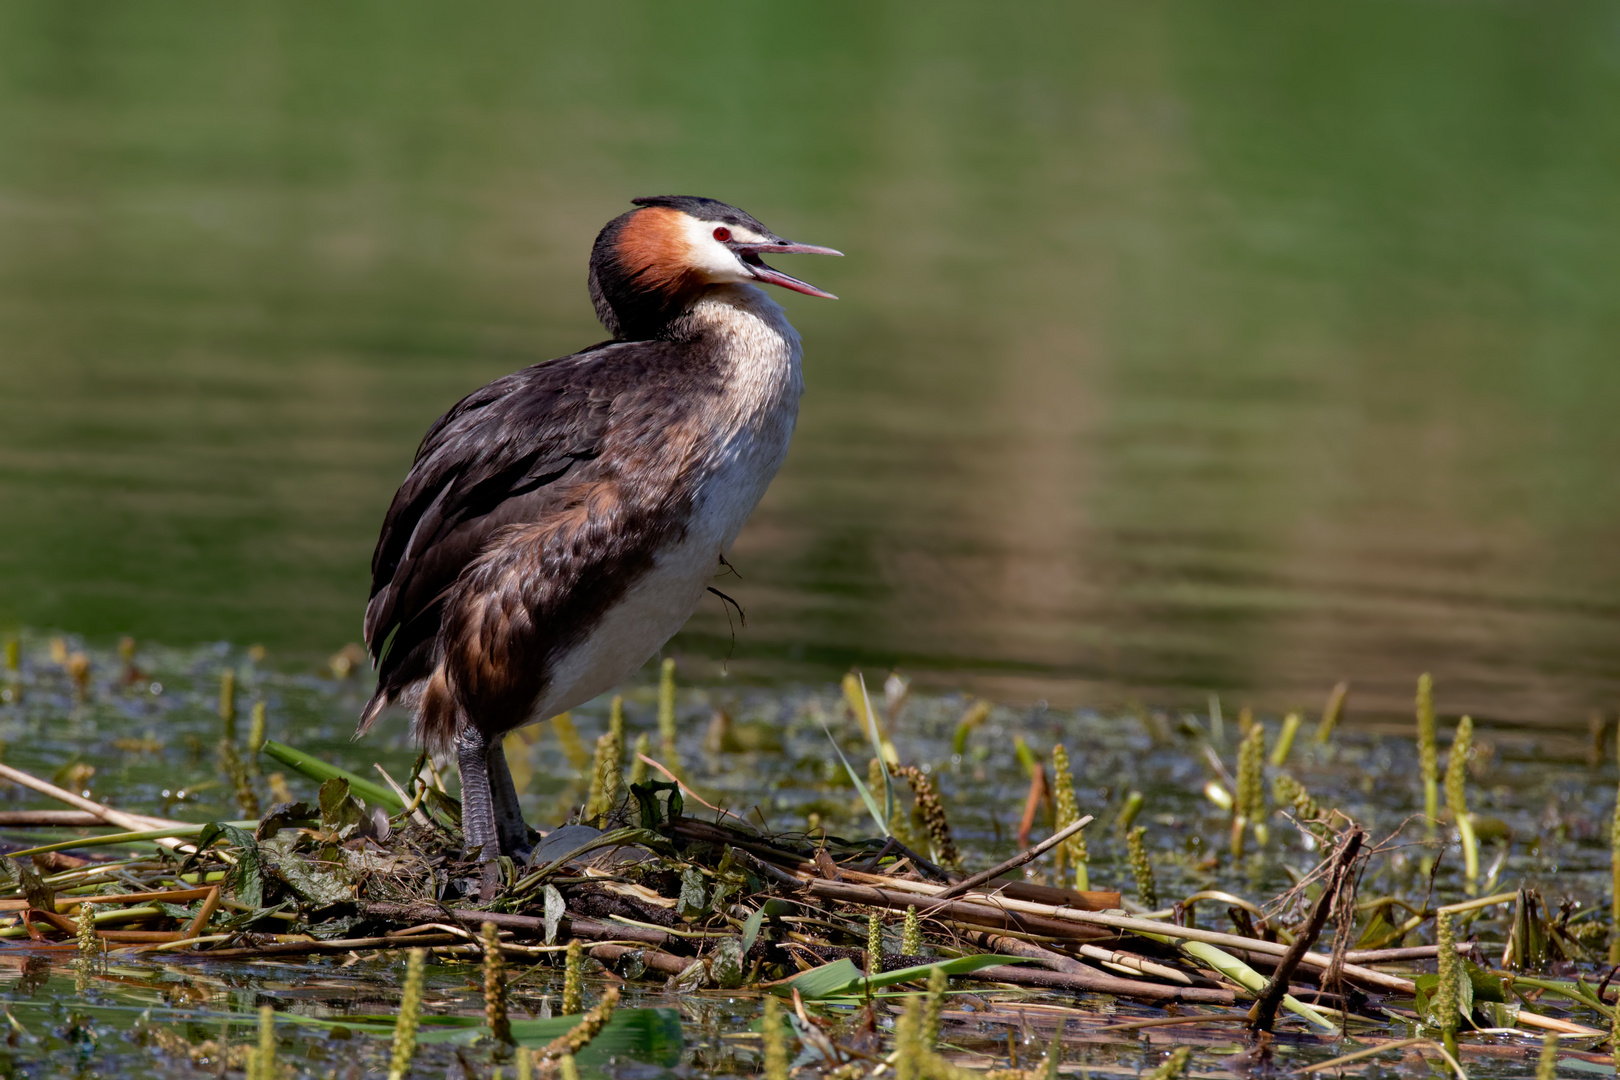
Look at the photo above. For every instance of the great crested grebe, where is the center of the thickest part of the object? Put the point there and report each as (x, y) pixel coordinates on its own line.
(559, 525)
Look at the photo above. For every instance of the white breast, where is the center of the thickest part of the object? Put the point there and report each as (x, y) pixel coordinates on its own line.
(749, 442)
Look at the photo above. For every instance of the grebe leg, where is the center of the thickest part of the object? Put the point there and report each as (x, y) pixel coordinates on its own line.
(510, 827)
(477, 805)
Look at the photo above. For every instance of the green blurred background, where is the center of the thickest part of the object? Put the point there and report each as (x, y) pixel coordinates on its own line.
(1183, 347)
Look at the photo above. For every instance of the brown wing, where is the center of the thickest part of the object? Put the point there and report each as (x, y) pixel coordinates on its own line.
(503, 456)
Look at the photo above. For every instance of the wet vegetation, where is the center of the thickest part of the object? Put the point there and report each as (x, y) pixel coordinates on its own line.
(851, 881)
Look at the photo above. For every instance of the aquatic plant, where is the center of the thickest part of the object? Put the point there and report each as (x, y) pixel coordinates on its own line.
(1065, 813)
(666, 713)
(1332, 713)
(589, 1027)
(607, 769)
(410, 1014)
(1547, 1066)
(776, 1047)
(1447, 996)
(500, 1027)
(1173, 1066)
(1428, 753)
(1285, 739)
(874, 944)
(1457, 802)
(934, 1005)
(933, 815)
(1147, 890)
(573, 979)
(911, 933)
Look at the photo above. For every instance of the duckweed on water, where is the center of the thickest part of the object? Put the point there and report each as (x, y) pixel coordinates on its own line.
(751, 880)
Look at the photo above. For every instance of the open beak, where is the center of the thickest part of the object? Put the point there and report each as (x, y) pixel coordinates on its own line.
(750, 254)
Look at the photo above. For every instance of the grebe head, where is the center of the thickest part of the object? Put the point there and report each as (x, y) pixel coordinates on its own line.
(649, 265)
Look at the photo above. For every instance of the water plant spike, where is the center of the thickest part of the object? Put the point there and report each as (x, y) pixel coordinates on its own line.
(574, 979)
(1333, 713)
(1285, 739)
(666, 711)
(1175, 1065)
(1457, 803)
(1447, 995)
(933, 815)
(911, 933)
(1547, 1066)
(573, 747)
(410, 1014)
(589, 1027)
(874, 944)
(1147, 890)
(776, 1048)
(1064, 810)
(638, 767)
(1428, 753)
(256, 722)
(500, 1027)
(934, 1006)
(227, 701)
(264, 1060)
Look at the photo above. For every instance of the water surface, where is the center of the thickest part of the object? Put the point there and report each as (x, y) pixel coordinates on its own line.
(1181, 348)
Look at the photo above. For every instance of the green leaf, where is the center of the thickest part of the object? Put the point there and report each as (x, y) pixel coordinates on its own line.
(652, 816)
(877, 748)
(320, 771)
(694, 901)
(860, 786)
(338, 808)
(771, 909)
(726, 963)
(316, 884)
(650, 1035)
(246, 878)
(842, 978)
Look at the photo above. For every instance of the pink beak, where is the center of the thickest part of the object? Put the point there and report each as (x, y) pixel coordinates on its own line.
(770, 276)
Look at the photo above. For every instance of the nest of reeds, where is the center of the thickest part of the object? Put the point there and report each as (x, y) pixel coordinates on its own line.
(883, 950)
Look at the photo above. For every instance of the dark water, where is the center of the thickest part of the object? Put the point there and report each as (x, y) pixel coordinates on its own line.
(1183, 347)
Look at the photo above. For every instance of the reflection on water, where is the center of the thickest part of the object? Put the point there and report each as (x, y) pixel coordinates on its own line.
(1181, 348)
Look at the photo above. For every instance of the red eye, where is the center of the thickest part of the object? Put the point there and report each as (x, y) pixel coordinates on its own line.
(722, 234)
